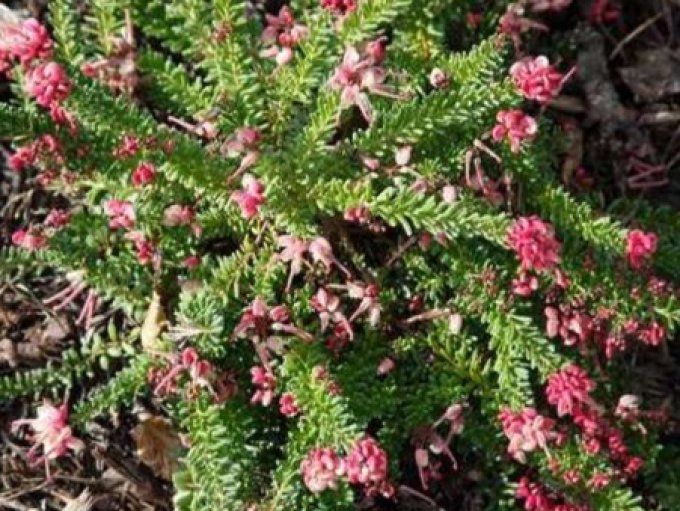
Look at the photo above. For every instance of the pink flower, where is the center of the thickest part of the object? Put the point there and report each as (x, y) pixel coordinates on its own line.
(293, 252)
(439, 79)
(28, 239)
(192, 262)
(146, 251)
(366, 464)
(569, 388)
(534, 495)
(549, 5)
(57, 218)
(251, 198)
(537, 79)
(321, 469)
(288, 405)
(534, 242)
(355, 75)
(48, 83)
(51, 431)
(144, 174)
(524, 285)
(243, 140)
(653, 335)
(282, 33)
(368, 294)
(628, 407)
(599, 480)
(526, 431)
(129, 146)
(62, 117)
(328, 306)
(516, 126)
(640, 247)
(321, 251)
(121, 214)
(177, 215)
(265, 381)
(27, 42)
(23, 157)
(340, 7)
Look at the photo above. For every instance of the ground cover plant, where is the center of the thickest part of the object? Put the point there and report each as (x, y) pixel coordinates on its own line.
(323, 255)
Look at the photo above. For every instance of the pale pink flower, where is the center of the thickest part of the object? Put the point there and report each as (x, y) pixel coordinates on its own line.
(321, 469)
(628, 407)
(450, 194)
(366, 463)
(27, 42)
(265, 383)
(514, 24)
(29, 239)
(356, 75)
(439, 79)
(144, 174)
(516, 126)
(524, 284)
(328, 306)
(549, 5)
(534, 242)
(121, 214)
(250, 198)
(177, 215)
(48, 83)
(51, 431)
(537, 79)
(568, 389)
(293, 252)
(640, 247)
(288, 405)
(368, 294)
(526, 431)
(386, 366)
(66, 296)
(321, 251)
(243, 140)
(57, 218)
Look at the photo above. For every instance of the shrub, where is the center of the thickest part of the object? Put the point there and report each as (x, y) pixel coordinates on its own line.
(344, 246)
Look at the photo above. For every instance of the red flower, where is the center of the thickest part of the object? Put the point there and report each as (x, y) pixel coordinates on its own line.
(537, 79)
(321, 468)
(340, 7)
(534, 242)
(568, 388)
(250, 198)
(146, 250)
(640, 247)
(143, 174)
(48, 83)
(653, 335)
(288, 405)
(23, 157)
(516, 126)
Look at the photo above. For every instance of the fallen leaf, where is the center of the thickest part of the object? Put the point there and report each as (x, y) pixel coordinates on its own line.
(158, 445)
(154, 323)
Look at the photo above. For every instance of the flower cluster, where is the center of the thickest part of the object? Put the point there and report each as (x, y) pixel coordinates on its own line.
(340, 7)
(526, 431)
(366, 465)
(250, 198)
(516, 126)
(534, 242)
(537, 79)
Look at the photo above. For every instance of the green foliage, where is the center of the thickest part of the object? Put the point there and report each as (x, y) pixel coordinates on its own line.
(442, 267)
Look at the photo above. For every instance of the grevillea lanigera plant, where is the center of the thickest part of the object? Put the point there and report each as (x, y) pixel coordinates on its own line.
(353, 268)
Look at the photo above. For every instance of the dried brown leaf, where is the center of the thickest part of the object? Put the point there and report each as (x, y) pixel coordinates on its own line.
(158, 445)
